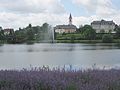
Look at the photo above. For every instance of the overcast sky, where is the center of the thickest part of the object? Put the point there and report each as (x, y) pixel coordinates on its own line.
(19, 13)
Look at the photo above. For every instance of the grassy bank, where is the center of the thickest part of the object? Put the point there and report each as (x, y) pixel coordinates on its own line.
(56, 79)
(79, 41)
(85, 41)
(60, 41)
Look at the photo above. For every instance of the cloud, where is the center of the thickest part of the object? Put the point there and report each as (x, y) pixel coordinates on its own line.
(32, 6)
(14, 20)
(19, 13)
(90, 5)
(103, 8)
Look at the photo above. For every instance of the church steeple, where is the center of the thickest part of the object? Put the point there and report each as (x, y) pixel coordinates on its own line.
(70, 19)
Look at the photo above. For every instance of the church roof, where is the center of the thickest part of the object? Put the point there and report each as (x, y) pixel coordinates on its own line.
(65, 27)
(70, 16)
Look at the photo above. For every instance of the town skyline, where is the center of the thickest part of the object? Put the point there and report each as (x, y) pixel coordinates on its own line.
(20, 13)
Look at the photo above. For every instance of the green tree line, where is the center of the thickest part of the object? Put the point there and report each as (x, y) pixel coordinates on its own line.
(43, 32)
(29, 33)
(86, 32)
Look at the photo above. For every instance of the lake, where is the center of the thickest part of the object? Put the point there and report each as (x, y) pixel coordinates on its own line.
(18, 56)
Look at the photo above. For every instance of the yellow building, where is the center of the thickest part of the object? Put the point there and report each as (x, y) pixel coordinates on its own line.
(70, 28)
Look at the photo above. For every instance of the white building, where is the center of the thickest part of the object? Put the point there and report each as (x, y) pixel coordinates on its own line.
(103, 26)
(70, 28)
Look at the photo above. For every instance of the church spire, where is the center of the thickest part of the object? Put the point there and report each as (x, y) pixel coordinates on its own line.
(70, 19)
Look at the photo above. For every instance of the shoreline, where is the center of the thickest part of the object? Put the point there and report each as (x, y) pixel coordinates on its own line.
(86, 41)
(62, 41)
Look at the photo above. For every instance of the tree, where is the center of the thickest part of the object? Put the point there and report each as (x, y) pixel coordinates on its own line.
(30, 34)
(117, 29)
(45, 27)
(89, 33)
(80, 29)
(30, 26)
(2, 36)
(107, 38)
(36, 29)
(72, 38)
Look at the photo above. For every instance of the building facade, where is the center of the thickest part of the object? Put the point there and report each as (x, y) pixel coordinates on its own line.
(103, 26)
(8, 31)
(70, 28)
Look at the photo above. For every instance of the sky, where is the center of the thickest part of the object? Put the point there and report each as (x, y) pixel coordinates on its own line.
(20, 13)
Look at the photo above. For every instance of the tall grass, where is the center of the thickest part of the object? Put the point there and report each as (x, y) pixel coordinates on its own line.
(59, 79)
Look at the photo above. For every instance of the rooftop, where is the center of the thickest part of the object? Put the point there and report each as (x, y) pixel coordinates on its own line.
(103, 22)
(65, 27)
(8, 30)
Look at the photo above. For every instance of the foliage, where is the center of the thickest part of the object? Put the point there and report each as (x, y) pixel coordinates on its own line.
(80, 29)
(45, 27)
(2, 36)
(89, 33)
(31, 33)
(59, 79)
(72, 38)
(83, 33)
(99, 36)
(107, 38)
(44, 33)
(77, 36)
(117, 29)
(80, 41)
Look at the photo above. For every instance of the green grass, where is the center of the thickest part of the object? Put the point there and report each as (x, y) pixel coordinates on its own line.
(79, 41)
(86, 41)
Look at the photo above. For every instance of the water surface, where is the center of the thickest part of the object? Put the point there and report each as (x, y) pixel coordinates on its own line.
(78, 55)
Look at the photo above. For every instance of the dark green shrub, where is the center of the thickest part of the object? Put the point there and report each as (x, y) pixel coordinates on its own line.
(72, 38)
(107, 38)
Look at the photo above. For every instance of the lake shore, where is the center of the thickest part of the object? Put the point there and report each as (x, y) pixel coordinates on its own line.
(85, 41)
(61, 41)
(69, 41)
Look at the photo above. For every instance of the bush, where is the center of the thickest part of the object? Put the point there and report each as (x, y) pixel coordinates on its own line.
(72, 38)
(107, 38)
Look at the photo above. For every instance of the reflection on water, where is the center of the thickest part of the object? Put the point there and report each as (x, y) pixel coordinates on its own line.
(83, 55)
(1, 50)
(57, 47)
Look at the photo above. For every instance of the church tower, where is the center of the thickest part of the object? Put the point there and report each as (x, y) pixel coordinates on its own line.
(70, 19)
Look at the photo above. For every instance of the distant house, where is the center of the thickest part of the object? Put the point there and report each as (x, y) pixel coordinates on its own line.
(8, 31)
(103, 26)
(70, 28)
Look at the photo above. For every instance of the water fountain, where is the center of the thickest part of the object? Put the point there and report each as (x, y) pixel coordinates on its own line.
(51, 34)
(47, 34)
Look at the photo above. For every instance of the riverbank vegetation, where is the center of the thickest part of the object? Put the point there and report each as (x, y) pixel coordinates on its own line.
(59, 79)
(87, 34)
(29, 34)
(44, 33)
